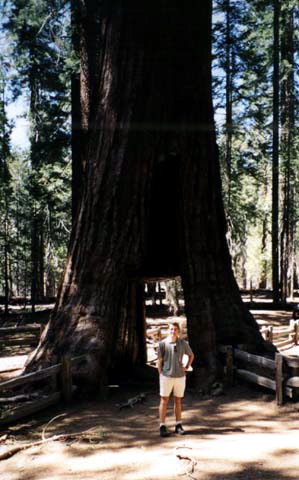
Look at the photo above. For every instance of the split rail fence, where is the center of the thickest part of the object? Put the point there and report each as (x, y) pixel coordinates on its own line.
(59, 379)
(280, 375)
(25, 335)
(282, 337)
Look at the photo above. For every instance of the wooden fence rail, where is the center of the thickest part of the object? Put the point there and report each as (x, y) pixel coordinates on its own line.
(17, 336)
(35, 329)
(62, 370)
(282, 337)
(284, 381)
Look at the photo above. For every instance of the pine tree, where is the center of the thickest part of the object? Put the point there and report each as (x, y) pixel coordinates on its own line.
(288, 151)
(38, 31)
(246, 77)
(275, 152)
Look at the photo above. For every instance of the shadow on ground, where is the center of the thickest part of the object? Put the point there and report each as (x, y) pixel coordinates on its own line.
(240, 435)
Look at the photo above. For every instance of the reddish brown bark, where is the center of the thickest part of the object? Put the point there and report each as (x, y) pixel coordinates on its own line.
(152, 201)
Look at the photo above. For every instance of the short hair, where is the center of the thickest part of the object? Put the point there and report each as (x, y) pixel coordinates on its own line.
(175, 324)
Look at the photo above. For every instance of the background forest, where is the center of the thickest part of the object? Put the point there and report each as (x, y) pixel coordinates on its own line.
(255, 88)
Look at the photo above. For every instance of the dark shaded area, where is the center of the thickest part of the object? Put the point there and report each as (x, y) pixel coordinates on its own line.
(251, 473)
(22, 318)
(163, 255)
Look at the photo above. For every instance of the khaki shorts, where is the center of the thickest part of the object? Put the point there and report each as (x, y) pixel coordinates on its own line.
(169, 384)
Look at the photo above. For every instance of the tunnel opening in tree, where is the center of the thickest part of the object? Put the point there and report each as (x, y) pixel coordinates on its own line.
(164, 303)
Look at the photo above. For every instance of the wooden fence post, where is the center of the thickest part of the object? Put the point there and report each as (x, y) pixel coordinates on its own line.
(229, 365)
(279, 378)
(159, 334)
(267, 333)
(292, 334)
(296, 328)
(66, 378)
(270, 329)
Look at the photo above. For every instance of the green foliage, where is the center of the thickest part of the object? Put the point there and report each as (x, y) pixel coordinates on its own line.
(246, 189)
(243, 72)
(38, 35)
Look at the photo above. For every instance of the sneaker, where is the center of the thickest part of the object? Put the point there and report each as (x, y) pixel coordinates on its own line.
(163, 431)
(179, 429)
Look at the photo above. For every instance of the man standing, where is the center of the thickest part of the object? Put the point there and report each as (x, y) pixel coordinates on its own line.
(172, 375)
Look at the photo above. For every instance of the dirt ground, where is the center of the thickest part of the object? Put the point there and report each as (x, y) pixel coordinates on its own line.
(241, 434)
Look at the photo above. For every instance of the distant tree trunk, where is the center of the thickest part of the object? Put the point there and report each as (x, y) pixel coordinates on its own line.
(288, 154)
(172, 296)
(37, 247)
(34, 265)
(6, 260)
(50, 283)
(41, 262)
(147, 84)
(4, 183)
(264, 270)
(18, 256)
(228, 98)
(275, 156)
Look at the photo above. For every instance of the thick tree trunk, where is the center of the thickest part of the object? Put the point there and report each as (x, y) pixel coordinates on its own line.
(77, 127)
(152, 203)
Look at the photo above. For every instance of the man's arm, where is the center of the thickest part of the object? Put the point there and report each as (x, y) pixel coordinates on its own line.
(160, 364)
(190, 361)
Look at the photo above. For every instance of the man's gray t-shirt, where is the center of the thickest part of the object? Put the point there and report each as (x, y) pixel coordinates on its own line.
(172, 354)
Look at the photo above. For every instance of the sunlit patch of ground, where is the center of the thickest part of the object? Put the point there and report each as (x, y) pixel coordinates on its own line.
(11, 366)
(241, 435)
(272, 317)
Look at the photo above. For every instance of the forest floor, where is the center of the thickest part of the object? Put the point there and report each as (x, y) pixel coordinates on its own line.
(240, 435)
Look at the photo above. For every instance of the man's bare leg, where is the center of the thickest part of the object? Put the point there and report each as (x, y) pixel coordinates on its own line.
(162, 413)
(178, 415)
(163, 409)
(178, 409)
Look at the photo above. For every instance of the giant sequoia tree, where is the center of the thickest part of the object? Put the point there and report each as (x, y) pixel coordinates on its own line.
(151, 203)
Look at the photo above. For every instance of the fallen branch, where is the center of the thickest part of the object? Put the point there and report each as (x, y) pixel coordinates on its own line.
(132, 401)
(12, 451)
(46, 426)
